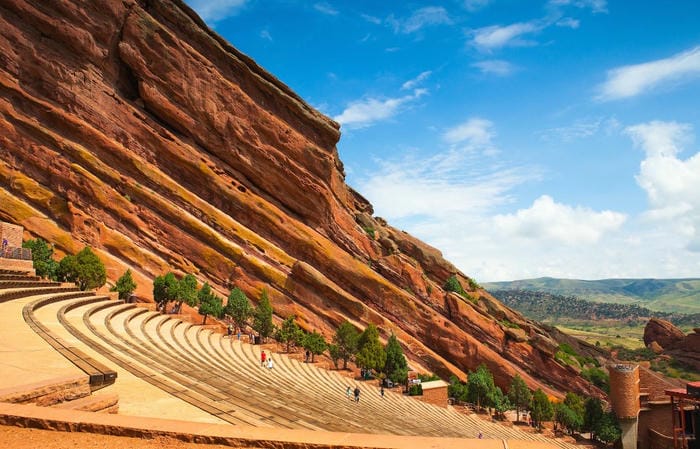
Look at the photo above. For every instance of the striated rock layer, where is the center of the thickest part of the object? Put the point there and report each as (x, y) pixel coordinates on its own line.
(131, 127)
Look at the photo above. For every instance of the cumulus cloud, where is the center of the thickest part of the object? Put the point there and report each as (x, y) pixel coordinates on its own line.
(632, 80)
(212, 11)
(410, 84)
(672, 184)
(366, 112)
(421, 18)
(496, 67)
(549, 220)
(496, 36)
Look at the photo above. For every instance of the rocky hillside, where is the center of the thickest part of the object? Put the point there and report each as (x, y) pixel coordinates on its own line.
(131, 127)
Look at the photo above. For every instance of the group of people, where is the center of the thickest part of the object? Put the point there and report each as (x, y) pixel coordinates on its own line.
(266, 361)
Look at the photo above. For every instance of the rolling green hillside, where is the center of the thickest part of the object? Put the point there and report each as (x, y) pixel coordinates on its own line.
(664, 295)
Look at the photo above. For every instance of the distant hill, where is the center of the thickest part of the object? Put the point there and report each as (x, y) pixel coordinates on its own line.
(556, 309)
(663, 295)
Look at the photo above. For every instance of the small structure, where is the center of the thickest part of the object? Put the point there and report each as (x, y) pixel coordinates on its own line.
(434, 392)
(685, 409)
(624, 399)
(12, 255)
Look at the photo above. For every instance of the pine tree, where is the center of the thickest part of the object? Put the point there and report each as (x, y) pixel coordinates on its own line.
(345, 339)
(519, 395)
(238, 308)
(481, 386)
(289, 332)
(315, 344)
(262, 317)
(164, 289)
(187, 291)
(125, 285)
(90, 271)
(396, 367)
(370, 354)
(209, 303)
(541, 408)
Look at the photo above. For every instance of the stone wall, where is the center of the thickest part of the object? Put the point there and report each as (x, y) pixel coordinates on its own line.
(656, 417)
(12, 233)
(436, 395)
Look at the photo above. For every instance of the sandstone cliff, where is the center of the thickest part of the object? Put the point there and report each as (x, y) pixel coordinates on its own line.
(667, 339)
(131, 127)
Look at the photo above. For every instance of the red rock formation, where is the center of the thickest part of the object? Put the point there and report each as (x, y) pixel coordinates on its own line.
(663, 332)
(131, 127)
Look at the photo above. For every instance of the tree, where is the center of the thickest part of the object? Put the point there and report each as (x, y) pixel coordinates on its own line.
(238, 308)
(315, 344)
(370, 354)
(42, 257)
(541, 408)
(396, 367)
(262, 317)
(608, 429)
(481, 386)
(499, 402)
(592, 415)
(125, 285)
(458, 389)
(567, 418)
(289, 332)
(67, 270)
(334, 354)
(90, 271)
(577, 406)
(345, 339)
(164, 289)
(519, 395)
(209, 303)
(187, 291)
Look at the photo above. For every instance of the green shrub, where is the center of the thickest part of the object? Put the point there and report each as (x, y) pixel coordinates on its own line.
(415, 390)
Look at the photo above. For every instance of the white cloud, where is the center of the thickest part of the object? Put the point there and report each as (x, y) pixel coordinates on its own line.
(365, 112)
(596, 6)
(548, 220)
(325, 8)
(423, 17)
(212, 11)
(672, 184)
(265, 34)
(475, 5)
(410, 84)
(475, 131)
(632, 80)
(496, 36)
(371, 19)
(496, 67)
(568, 22)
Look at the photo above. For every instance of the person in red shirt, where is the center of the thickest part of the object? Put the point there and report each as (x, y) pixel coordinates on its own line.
(263, 356)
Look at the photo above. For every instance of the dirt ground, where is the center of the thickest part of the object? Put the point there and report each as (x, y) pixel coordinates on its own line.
(21, 438)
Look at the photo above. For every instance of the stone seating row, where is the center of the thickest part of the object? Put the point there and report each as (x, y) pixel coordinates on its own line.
(224, 377)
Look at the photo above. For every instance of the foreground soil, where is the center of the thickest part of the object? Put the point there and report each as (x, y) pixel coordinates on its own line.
(21, 438)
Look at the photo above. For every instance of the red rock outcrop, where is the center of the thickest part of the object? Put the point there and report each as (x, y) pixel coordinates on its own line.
(663, 332)
(131, 127)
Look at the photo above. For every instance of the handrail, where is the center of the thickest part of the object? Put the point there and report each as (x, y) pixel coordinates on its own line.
(9, 252)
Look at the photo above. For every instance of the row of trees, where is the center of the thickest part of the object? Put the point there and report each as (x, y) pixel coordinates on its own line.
(574, 414)
(85, 269)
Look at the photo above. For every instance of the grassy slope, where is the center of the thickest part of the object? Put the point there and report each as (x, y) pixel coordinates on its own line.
(669, 295)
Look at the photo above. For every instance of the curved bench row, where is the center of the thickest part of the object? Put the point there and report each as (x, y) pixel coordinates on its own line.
(223, 376)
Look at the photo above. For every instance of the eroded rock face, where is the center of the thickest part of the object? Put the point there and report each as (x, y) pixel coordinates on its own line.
(131, 127)
(663, 332)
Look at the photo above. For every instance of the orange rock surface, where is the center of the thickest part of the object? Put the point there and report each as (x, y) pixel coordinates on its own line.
(133, 128)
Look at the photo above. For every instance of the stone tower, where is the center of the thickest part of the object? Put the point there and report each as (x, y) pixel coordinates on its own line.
(624, 398)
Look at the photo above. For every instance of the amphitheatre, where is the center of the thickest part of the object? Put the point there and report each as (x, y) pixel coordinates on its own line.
(132, 128)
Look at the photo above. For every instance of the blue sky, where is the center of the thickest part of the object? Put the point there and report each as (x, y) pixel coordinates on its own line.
(521, 138)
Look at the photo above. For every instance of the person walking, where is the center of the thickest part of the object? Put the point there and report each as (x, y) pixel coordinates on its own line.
(348, 393)
(381, 391)
(357, 394)
(263, 357)
(270, 363)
